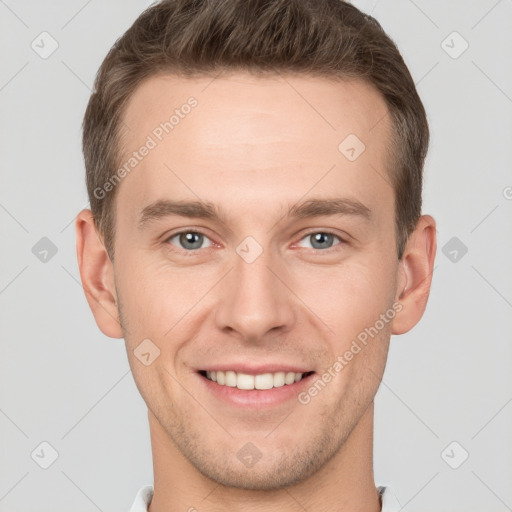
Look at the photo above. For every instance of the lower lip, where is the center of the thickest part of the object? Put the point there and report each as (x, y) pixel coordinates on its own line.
(257, 398)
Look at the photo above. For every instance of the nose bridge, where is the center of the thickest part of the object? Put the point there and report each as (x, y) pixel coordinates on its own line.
(255, 301)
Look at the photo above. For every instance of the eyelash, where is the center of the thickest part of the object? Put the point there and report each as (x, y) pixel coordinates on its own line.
(198, 232)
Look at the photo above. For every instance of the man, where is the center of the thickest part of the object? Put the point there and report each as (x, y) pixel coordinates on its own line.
(254, 170)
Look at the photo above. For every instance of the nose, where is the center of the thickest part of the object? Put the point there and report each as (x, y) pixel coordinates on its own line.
(255, 299)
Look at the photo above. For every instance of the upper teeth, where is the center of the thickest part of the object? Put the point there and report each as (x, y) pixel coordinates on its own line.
(262, 381)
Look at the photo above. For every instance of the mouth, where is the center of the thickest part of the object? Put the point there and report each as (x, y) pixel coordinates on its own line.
(249, 382)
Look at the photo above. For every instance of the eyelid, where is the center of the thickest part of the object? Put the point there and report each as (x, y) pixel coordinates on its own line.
(325, 231)
(199, 231)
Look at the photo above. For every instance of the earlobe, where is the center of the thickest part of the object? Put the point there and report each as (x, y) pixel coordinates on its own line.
(97, 275)
(417, 265)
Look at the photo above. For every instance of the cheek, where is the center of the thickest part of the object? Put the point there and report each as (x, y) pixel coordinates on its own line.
(161, 302)
(148, 299)
(348, 298)
(352, 304)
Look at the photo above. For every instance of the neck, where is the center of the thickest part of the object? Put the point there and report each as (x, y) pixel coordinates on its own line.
(344, 484)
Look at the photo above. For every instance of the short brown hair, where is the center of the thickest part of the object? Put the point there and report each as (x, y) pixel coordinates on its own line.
(327, 38)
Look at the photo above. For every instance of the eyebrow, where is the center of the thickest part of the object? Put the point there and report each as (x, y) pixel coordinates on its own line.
(205, 210)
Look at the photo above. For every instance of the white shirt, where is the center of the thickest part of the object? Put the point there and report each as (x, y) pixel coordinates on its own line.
(145, 494)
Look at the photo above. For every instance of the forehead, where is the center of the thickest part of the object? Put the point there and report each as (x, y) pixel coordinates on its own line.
(212, 136)
(333, 105)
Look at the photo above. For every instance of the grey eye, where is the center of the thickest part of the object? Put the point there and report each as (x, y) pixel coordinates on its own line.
(189, 240)
(321, 240)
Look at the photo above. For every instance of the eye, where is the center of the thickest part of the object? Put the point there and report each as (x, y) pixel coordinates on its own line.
(321, 239)
(189, 240)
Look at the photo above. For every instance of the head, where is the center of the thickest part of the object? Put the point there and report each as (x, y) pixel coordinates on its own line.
(254, 171)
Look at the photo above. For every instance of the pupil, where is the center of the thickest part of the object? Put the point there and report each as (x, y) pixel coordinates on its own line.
(319, 239)
(187, 240)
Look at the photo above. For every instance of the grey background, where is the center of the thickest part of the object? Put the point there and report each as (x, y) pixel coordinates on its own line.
(63, 382)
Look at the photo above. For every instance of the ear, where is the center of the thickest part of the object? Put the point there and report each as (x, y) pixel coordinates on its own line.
(97, 274)
(415, 278)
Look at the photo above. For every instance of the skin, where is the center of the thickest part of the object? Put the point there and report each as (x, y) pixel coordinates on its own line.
(254, 147)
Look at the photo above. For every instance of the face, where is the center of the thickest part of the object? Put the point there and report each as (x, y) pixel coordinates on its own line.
(287, 258)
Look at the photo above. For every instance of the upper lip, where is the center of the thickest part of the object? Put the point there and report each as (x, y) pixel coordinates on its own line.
(255, 369)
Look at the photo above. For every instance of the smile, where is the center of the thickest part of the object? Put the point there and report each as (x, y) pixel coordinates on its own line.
(262, 381)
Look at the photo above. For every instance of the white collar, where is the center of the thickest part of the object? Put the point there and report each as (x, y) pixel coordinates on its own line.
(145, 495)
